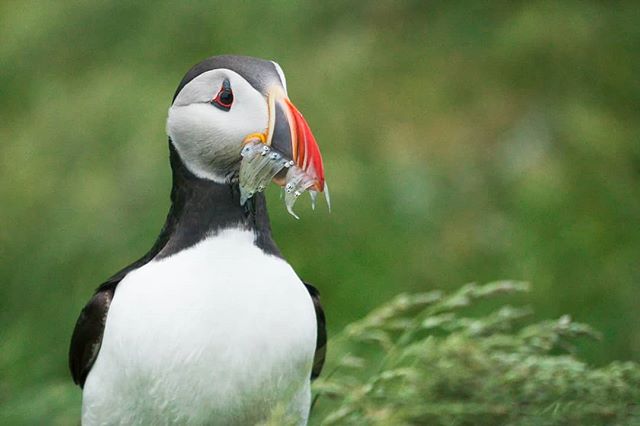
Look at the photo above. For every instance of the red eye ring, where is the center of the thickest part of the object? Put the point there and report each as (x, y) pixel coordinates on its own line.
(224, 98)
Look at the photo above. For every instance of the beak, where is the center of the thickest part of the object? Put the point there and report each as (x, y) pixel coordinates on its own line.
(289, 133)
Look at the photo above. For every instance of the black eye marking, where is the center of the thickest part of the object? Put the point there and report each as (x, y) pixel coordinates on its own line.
(224, 98)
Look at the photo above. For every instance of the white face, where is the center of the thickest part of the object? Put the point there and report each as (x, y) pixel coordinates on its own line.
(207, 137)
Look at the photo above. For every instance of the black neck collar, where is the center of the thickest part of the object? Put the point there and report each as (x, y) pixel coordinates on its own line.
(200, 208)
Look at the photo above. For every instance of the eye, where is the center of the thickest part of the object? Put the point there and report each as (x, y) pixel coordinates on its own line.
(224, 98)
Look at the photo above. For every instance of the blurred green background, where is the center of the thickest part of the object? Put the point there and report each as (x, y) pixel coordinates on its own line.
(462, 141)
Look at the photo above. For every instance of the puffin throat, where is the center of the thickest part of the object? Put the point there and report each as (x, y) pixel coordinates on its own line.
(201, 208)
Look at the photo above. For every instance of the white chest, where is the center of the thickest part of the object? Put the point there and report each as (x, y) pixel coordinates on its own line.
(219, 334)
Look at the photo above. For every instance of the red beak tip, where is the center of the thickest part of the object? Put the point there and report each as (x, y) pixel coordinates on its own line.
(308, 155)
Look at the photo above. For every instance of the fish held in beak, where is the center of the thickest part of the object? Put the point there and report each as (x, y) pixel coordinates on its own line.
(286, 154)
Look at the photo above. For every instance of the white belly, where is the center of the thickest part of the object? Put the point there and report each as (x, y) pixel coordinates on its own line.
(220, 333)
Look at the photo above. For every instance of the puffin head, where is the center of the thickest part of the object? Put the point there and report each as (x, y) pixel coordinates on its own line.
(225, 101)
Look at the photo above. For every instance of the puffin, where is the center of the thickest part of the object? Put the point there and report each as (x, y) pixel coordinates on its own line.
(212, 325)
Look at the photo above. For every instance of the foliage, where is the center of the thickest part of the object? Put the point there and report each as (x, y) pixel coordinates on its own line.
(437, 366)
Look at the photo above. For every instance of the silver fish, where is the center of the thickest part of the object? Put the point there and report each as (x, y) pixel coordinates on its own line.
(261, 163)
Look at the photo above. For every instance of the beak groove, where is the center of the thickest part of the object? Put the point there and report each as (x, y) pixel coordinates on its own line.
(301, 143)
(306, 151)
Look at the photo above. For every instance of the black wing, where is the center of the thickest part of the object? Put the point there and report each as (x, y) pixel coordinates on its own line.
(87, 335)
(321, 340)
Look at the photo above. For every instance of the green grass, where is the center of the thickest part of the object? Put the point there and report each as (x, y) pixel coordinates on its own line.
(435, 365)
